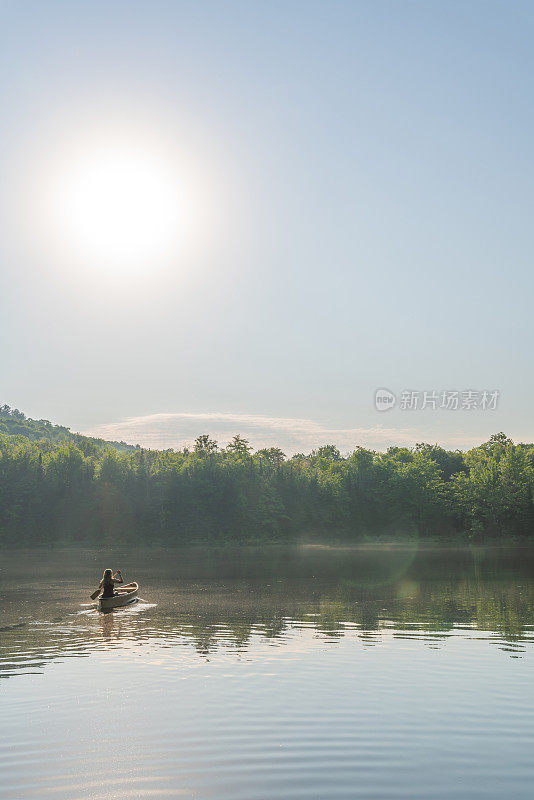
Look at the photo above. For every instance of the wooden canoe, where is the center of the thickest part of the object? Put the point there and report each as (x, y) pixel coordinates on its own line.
(123, 595)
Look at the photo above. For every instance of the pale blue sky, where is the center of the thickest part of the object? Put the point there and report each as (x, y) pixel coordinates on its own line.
(369, 166)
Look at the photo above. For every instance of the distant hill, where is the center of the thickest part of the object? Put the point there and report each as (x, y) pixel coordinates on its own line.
(14, 423)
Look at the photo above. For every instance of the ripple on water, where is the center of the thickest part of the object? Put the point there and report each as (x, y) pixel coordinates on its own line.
(228, 690)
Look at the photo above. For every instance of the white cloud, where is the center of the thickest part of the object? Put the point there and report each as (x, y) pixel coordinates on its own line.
(160, 431)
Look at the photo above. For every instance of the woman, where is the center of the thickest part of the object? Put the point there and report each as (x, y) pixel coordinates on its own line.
(108, 582)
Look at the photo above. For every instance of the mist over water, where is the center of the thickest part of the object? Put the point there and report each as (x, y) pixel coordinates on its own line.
(269, 673)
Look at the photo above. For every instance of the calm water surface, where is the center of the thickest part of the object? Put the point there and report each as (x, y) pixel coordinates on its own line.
(262, 674)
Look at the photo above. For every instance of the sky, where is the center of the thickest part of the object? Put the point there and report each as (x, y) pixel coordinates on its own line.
(249, 216)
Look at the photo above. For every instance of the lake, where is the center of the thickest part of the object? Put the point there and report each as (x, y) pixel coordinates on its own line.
(256, 674)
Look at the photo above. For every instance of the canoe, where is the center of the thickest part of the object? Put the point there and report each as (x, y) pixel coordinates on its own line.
(123, 595)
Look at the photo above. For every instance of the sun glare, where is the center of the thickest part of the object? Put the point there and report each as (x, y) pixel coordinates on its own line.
(121, 209)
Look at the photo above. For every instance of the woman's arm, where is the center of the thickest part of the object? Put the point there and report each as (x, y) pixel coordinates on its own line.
(118, 579)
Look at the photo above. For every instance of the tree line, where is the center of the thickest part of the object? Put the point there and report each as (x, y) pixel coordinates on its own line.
(82, 490)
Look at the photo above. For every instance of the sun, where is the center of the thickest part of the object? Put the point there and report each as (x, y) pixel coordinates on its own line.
(120, 208)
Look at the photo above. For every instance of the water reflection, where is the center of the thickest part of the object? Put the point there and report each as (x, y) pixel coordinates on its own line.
(235, 599)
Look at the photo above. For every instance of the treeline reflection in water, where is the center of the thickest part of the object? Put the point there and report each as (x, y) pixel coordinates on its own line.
(233, 600)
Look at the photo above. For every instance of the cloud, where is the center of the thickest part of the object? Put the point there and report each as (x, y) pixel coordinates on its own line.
(161, 431)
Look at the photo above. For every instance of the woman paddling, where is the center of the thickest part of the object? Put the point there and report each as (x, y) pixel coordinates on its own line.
(108, 582)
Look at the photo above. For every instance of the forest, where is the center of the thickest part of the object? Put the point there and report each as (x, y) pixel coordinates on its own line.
(57, 487)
